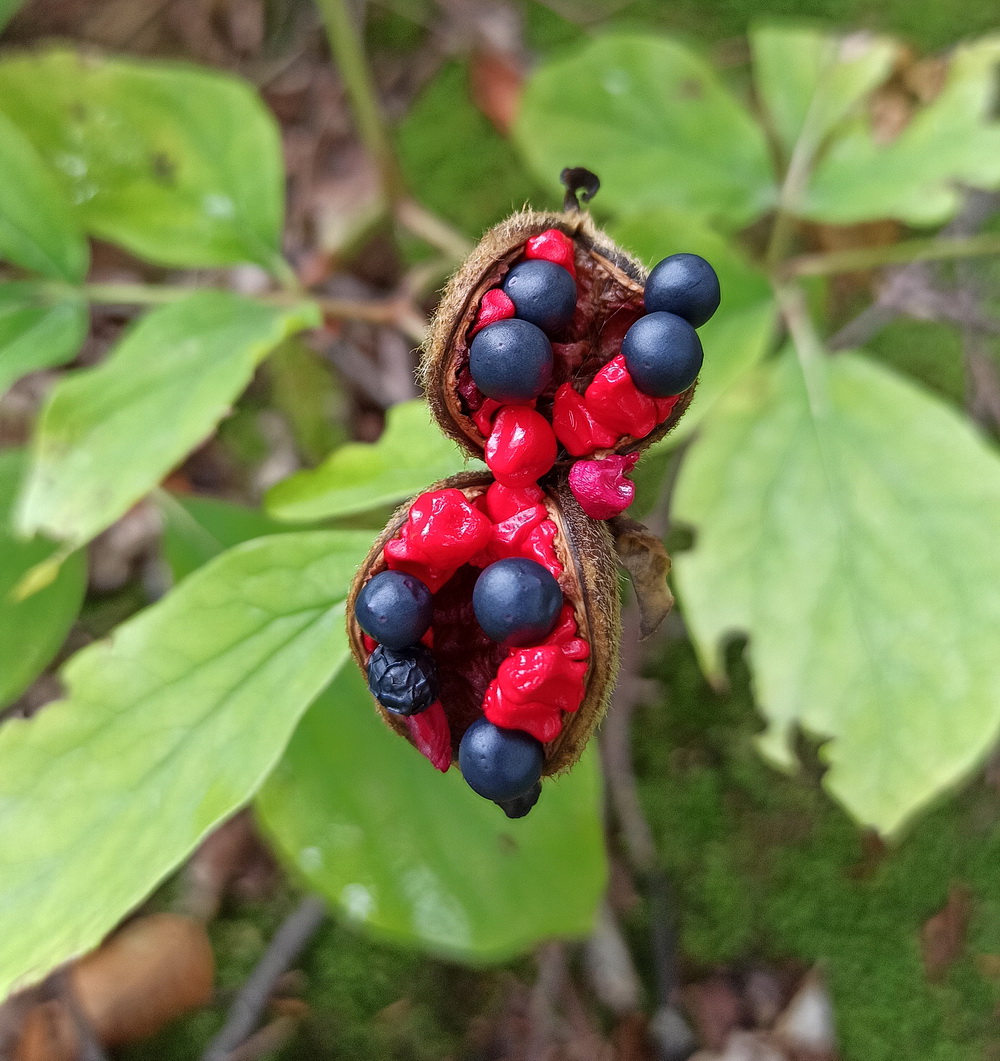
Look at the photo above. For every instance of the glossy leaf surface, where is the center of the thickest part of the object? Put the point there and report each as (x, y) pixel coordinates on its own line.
(38, 230)
(654, 121)
(181, 165)
(849, 530)
(31, 630)
(37, 330)
(411, 454)
(108, 435)
(811, 81)
(953, 140)
(417, 856)
(166, 728)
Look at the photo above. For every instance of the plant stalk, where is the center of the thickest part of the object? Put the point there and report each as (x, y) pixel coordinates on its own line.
(903, 253)
(348, 53)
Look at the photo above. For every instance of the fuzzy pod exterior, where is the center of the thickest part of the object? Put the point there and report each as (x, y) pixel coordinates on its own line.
(611, 284)
(589, 582)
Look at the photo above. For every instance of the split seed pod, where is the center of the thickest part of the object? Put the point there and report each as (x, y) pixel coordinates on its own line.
(468, 661)
(525, 366)
(609, 301)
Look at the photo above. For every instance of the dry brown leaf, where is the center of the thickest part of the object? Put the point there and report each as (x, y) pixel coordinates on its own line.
(147, 974)
(496, 82)
(646, 560)
(942, 938)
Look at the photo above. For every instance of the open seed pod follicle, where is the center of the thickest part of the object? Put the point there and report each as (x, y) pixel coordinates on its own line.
(551, 684)
(548, 351)
(486, 616)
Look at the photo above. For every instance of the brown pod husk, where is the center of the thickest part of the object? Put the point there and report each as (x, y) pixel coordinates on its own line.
(589, 582)
(609, 300)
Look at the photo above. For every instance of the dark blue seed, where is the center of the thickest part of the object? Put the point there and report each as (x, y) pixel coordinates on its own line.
(684, 284)
(394, 608)
(519, 806)
(543, 293)
(403, 680)
(663, 354)
(516, 601)
(500, 764)
(511, 361)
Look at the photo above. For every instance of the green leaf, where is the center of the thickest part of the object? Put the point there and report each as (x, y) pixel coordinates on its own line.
(953, 140)
(8, 9)
(167, 728)
(810, 81)
(418, 857)
(195, 529)
(37, 228)
(850, 530)
(181, 165)
(37, 329)
(358, 477)
(31, 630)
(743, 328)
(654, 122)
(108, 435)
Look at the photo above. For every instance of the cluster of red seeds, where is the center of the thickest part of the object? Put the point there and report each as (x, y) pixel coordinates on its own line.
(522, 445)
(443, 532)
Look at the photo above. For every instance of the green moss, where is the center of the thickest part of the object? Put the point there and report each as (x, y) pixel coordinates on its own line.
(765, 864)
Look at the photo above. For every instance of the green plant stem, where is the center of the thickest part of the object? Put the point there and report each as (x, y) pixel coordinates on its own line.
(399, 312)
(911, 250)
(348, 53)
(808, 346)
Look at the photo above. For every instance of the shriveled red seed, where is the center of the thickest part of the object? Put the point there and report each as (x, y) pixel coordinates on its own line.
(502, 502)
(543, 674)
(540, 546)
(510, 534)
(495, 306)
(566, 635)
(617, 403)
(521, 447)
(552, 246)
(600, 486)
(483, 416)
(575, 426)
(542, 721)
(442, 532)
(431, 735)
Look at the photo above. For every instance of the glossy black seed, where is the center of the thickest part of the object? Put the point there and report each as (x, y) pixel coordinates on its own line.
(516, 601)
(519, 806)
(684, 284)
(403, 680)
(395, 608)
(500, 764)
(663, 354)
(543, 293)
(511, 361)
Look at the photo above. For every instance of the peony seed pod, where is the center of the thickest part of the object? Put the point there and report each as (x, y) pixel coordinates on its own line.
(556, 688)
(589, 398)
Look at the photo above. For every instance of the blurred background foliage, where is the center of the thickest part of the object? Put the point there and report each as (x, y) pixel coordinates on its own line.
(278, 409)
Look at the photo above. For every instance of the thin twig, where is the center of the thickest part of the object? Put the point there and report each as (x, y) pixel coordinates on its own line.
(347, 49)
(432, 229)
(246, 1011)
(857, 259)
